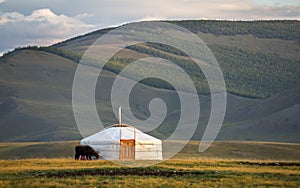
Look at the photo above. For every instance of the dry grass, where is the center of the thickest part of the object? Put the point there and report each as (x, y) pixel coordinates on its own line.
(201, 172)
(50, 164)
(224, 164)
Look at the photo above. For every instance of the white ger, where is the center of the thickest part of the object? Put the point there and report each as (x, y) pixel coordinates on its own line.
(124, 142)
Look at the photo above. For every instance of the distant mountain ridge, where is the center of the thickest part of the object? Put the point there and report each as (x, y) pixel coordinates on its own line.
(257, 61)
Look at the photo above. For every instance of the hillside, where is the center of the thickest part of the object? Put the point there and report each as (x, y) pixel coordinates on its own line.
(258, 58)
(261, 72)
(36, 102)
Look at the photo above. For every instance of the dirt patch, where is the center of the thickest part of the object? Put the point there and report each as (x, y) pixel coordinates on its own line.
(271, 163)
(122, 172)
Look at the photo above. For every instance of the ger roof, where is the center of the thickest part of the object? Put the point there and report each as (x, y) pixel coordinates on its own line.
(116, 133)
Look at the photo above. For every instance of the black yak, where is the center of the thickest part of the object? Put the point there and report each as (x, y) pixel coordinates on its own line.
(86, 152)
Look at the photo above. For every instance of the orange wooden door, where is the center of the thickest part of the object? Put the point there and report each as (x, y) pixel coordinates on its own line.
(127, 150)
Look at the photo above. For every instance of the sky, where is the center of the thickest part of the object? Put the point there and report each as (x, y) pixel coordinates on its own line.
(45, 22)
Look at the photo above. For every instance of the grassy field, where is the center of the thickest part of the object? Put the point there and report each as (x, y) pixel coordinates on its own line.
(224, 164)
(228, 150)
(171, 173)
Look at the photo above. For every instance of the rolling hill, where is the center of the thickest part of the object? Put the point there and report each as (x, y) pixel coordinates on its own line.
(260, 66)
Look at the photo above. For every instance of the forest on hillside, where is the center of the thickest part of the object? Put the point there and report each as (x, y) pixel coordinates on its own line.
(246, 72)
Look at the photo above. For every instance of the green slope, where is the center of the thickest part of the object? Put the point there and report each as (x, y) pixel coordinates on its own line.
(36, 105)
(36, 84)
(258, 58)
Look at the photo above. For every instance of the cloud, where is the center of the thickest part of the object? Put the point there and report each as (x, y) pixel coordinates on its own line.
(152, 18)
(83, 16)
(213, 9)
(41, 27)
(277, 3)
